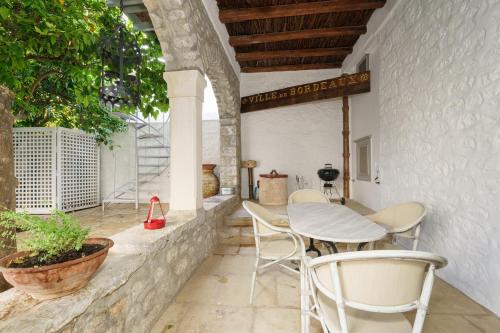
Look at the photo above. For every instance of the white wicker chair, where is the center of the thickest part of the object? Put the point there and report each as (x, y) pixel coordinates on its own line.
(402, 220)
(308, 195)
(275, 251)
(358, 292)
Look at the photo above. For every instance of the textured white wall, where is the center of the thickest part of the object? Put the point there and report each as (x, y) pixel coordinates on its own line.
(296, 140)
(365, 121)
(440, 132)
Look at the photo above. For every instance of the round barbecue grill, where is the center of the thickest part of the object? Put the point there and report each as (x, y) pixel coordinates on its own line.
(329, 175)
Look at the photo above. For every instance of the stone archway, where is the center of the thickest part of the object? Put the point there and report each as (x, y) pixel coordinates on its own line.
(189, 41)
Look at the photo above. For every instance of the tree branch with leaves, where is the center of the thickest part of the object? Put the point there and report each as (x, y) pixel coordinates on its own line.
(50, 61)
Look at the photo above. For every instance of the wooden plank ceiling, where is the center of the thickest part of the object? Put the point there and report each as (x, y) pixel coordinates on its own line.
(284, 35)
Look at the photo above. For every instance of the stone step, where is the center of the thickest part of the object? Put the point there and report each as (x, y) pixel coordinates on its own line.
(229, 236)
(238, 229)
(241, 218)
(241, 236)
(246, 236)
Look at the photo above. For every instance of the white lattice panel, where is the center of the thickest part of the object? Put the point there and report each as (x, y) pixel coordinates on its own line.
(35, 161)
(56, 168)
(78, 170)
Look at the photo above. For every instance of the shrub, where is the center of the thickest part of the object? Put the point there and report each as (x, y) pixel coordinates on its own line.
(47, 238)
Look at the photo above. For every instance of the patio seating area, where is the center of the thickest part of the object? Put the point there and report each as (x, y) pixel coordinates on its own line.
(237, 166)
(215, 299)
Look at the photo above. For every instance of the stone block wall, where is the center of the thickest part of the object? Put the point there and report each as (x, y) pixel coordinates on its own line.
(141, 276)
(230, 151)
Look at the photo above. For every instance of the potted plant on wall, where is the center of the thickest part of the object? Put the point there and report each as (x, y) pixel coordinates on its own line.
(57, 257)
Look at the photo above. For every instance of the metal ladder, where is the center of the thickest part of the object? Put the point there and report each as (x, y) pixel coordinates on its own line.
(152, 157)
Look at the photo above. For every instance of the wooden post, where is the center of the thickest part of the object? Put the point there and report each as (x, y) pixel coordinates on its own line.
(8, 181)
(346, 154)
(249, 165)
(250, 183)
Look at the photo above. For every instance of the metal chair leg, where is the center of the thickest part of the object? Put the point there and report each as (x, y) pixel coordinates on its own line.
(333, 247)
(361, 246)
(254, 278)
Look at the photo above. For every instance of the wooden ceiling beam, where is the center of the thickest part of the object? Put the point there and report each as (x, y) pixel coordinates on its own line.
(296, 53)
(296, 35)
(299, 67)
(299, 9)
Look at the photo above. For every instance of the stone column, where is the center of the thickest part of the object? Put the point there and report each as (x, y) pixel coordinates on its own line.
(8, 181)
(185, 92)
(230, 152)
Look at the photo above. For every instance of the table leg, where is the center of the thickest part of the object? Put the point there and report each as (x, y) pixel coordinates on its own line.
(307, 301)
(303, 295)
(250, 183)
(361, 245)
(313, 248)
(333, 247)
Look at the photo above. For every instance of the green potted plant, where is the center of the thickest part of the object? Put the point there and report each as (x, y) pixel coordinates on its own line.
(57, 257)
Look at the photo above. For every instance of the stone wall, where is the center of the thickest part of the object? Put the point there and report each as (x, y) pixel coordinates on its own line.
(141, 276)
(8, 181)
(439, 86)
(189, 41)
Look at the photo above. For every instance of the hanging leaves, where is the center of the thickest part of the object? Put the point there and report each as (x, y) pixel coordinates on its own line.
(61, 38)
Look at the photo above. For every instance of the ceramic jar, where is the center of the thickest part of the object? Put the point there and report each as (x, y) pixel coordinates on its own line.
(210, 181)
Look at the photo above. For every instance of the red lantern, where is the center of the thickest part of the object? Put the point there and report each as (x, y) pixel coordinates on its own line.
(152, 223)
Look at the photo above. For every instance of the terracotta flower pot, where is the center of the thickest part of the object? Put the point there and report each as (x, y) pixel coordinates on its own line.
(52, 281)
(210, 182)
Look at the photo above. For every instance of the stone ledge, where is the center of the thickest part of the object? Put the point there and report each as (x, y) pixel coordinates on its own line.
(137, 240)
(142, 274)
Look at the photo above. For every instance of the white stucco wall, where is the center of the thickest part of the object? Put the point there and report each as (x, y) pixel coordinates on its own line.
(211, 141)
(440, 131)
(124, 151)
(296, 140)
(121, 157)
(210, 128)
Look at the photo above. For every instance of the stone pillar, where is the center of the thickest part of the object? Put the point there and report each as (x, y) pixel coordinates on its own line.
(8, 181)
(229, 168)
(185, 92)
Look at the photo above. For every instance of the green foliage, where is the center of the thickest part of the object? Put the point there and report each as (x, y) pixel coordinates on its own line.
(50, 60)
(49, 238)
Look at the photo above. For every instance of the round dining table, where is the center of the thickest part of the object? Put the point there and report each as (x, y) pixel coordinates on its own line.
(333, 223)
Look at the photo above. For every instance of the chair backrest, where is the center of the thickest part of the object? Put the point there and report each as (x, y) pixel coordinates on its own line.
(262, 218)
(400, 217)
(377, 281)
(307, 195)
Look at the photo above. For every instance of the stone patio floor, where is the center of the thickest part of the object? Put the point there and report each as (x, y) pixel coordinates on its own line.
(215, 299)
